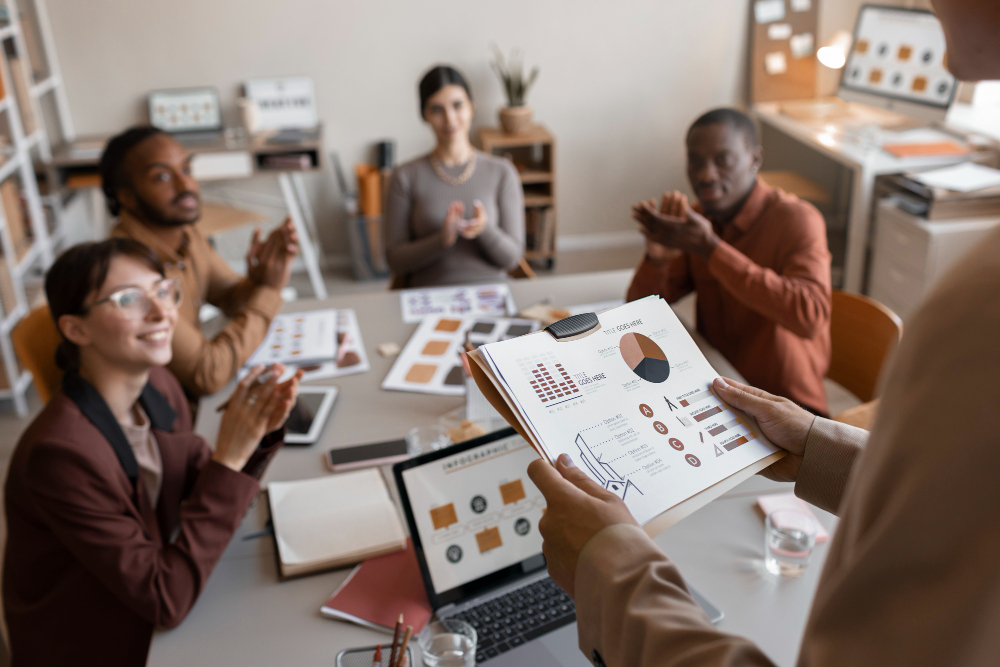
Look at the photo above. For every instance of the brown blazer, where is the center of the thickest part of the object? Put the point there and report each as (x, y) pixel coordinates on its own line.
(90, 568)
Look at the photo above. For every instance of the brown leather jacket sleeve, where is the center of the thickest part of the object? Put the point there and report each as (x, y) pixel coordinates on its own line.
(633, 609)
(159, 582)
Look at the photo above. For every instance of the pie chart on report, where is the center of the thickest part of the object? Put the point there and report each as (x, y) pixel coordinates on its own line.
(644, 357)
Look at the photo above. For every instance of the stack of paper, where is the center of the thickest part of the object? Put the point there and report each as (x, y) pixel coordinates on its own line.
(330, 522)
(631, 403)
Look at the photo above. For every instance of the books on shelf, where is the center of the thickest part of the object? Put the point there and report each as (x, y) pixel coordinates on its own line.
(333, 521)
(631, 401)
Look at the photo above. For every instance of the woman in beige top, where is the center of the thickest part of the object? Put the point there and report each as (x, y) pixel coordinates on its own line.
(911, 577)
(457, 214)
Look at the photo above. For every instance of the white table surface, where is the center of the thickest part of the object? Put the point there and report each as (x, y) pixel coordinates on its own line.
(245, 616)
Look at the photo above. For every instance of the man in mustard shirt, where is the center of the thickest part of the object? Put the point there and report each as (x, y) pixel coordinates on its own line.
(147, 183)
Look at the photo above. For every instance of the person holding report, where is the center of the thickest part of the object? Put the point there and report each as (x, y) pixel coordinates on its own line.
(147, 183)
(117, 512)
(911, 575)
(757, 258)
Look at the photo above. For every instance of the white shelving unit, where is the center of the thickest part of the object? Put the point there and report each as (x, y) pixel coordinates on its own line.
(27, 97)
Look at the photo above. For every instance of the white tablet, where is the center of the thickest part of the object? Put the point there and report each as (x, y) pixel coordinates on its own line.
(309, 414)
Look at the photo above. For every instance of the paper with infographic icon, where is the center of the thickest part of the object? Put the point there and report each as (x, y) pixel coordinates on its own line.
(631, 403)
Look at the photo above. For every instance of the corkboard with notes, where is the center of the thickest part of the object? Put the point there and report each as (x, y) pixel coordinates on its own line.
(782, 62)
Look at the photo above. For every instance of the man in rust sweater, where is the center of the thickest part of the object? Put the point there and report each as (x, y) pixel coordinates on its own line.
(756, 256)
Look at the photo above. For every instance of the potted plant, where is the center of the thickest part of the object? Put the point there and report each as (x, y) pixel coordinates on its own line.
(516, 116)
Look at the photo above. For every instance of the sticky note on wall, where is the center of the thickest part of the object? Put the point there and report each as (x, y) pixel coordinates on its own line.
(775, 63)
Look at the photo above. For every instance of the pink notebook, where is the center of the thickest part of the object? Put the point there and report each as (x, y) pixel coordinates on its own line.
(379, 590)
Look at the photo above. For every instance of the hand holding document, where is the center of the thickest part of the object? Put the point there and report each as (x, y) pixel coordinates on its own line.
(631, 403)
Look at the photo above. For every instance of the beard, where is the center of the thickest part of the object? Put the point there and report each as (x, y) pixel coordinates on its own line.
(160, 218)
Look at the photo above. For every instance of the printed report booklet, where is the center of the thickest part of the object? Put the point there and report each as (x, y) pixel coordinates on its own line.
(631, 402)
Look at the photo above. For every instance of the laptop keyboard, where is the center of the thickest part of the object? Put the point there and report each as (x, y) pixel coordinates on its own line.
(510, 620)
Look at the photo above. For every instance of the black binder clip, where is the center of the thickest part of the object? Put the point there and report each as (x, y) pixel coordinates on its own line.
(574, 325)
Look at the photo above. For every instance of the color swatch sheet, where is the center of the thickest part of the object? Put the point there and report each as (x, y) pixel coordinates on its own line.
(350, 357)
(297, 338)
(631, 404)
(430, 362)
(461, 301)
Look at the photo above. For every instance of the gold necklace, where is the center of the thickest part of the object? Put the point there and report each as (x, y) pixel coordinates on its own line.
(454, 180)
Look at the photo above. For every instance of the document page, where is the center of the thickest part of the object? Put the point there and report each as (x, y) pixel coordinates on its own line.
(632, 404)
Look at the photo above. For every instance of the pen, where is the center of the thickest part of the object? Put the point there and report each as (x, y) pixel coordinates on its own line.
(377, 659)
(403, 645)
(396, 635)
(264, 377)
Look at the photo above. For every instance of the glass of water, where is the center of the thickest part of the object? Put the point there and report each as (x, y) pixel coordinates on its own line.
(789, 538)
(423, 439)
(448, 642)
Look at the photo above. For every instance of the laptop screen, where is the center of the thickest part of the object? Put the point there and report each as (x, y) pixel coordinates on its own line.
(473, 514)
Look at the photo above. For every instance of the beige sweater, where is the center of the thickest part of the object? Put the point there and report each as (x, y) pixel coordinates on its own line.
(912, 575)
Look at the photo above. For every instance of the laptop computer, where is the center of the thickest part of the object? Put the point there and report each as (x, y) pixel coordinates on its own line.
(473, 516)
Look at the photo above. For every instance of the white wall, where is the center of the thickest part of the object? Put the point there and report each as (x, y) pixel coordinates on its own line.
(619, 81)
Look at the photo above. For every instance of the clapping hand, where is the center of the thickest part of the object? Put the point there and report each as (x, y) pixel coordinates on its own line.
(470, 229)
(270, 262)
(255, 409)
(675, 226)
(452, 224)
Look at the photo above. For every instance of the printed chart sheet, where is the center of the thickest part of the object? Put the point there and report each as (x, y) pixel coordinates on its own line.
(461, 301)
(632, 404)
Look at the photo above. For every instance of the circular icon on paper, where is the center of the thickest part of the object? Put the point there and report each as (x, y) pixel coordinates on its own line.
(645, 410)
(522, 526)
(927, 56)
(453, 554)
(693, 460)
(644, 357)
(660, 427)
(478, 504)
(679, 446)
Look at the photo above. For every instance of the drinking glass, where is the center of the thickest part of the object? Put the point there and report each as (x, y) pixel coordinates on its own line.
(448, 642)
(789, 538)
(423, 439)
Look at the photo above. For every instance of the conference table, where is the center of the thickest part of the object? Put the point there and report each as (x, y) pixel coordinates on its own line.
(246, 616)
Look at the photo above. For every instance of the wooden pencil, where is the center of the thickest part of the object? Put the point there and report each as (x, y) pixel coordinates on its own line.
(404, 645)
(396, 636)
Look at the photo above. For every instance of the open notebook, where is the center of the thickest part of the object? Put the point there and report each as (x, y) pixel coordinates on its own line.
(333, 521)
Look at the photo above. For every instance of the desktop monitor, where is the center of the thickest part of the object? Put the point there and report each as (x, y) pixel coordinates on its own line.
(897, 62)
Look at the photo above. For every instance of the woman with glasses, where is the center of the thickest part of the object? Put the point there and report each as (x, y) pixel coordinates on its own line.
(116, 511)
(457, 214)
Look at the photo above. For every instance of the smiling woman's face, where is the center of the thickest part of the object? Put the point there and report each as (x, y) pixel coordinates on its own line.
(111, 335)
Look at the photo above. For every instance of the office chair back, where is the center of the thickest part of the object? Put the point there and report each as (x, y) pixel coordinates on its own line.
(863, 333)
(35, 340)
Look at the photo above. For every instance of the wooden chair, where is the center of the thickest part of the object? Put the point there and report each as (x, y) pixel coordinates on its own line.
(522, 270)
(35, 340)
(863, 333)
